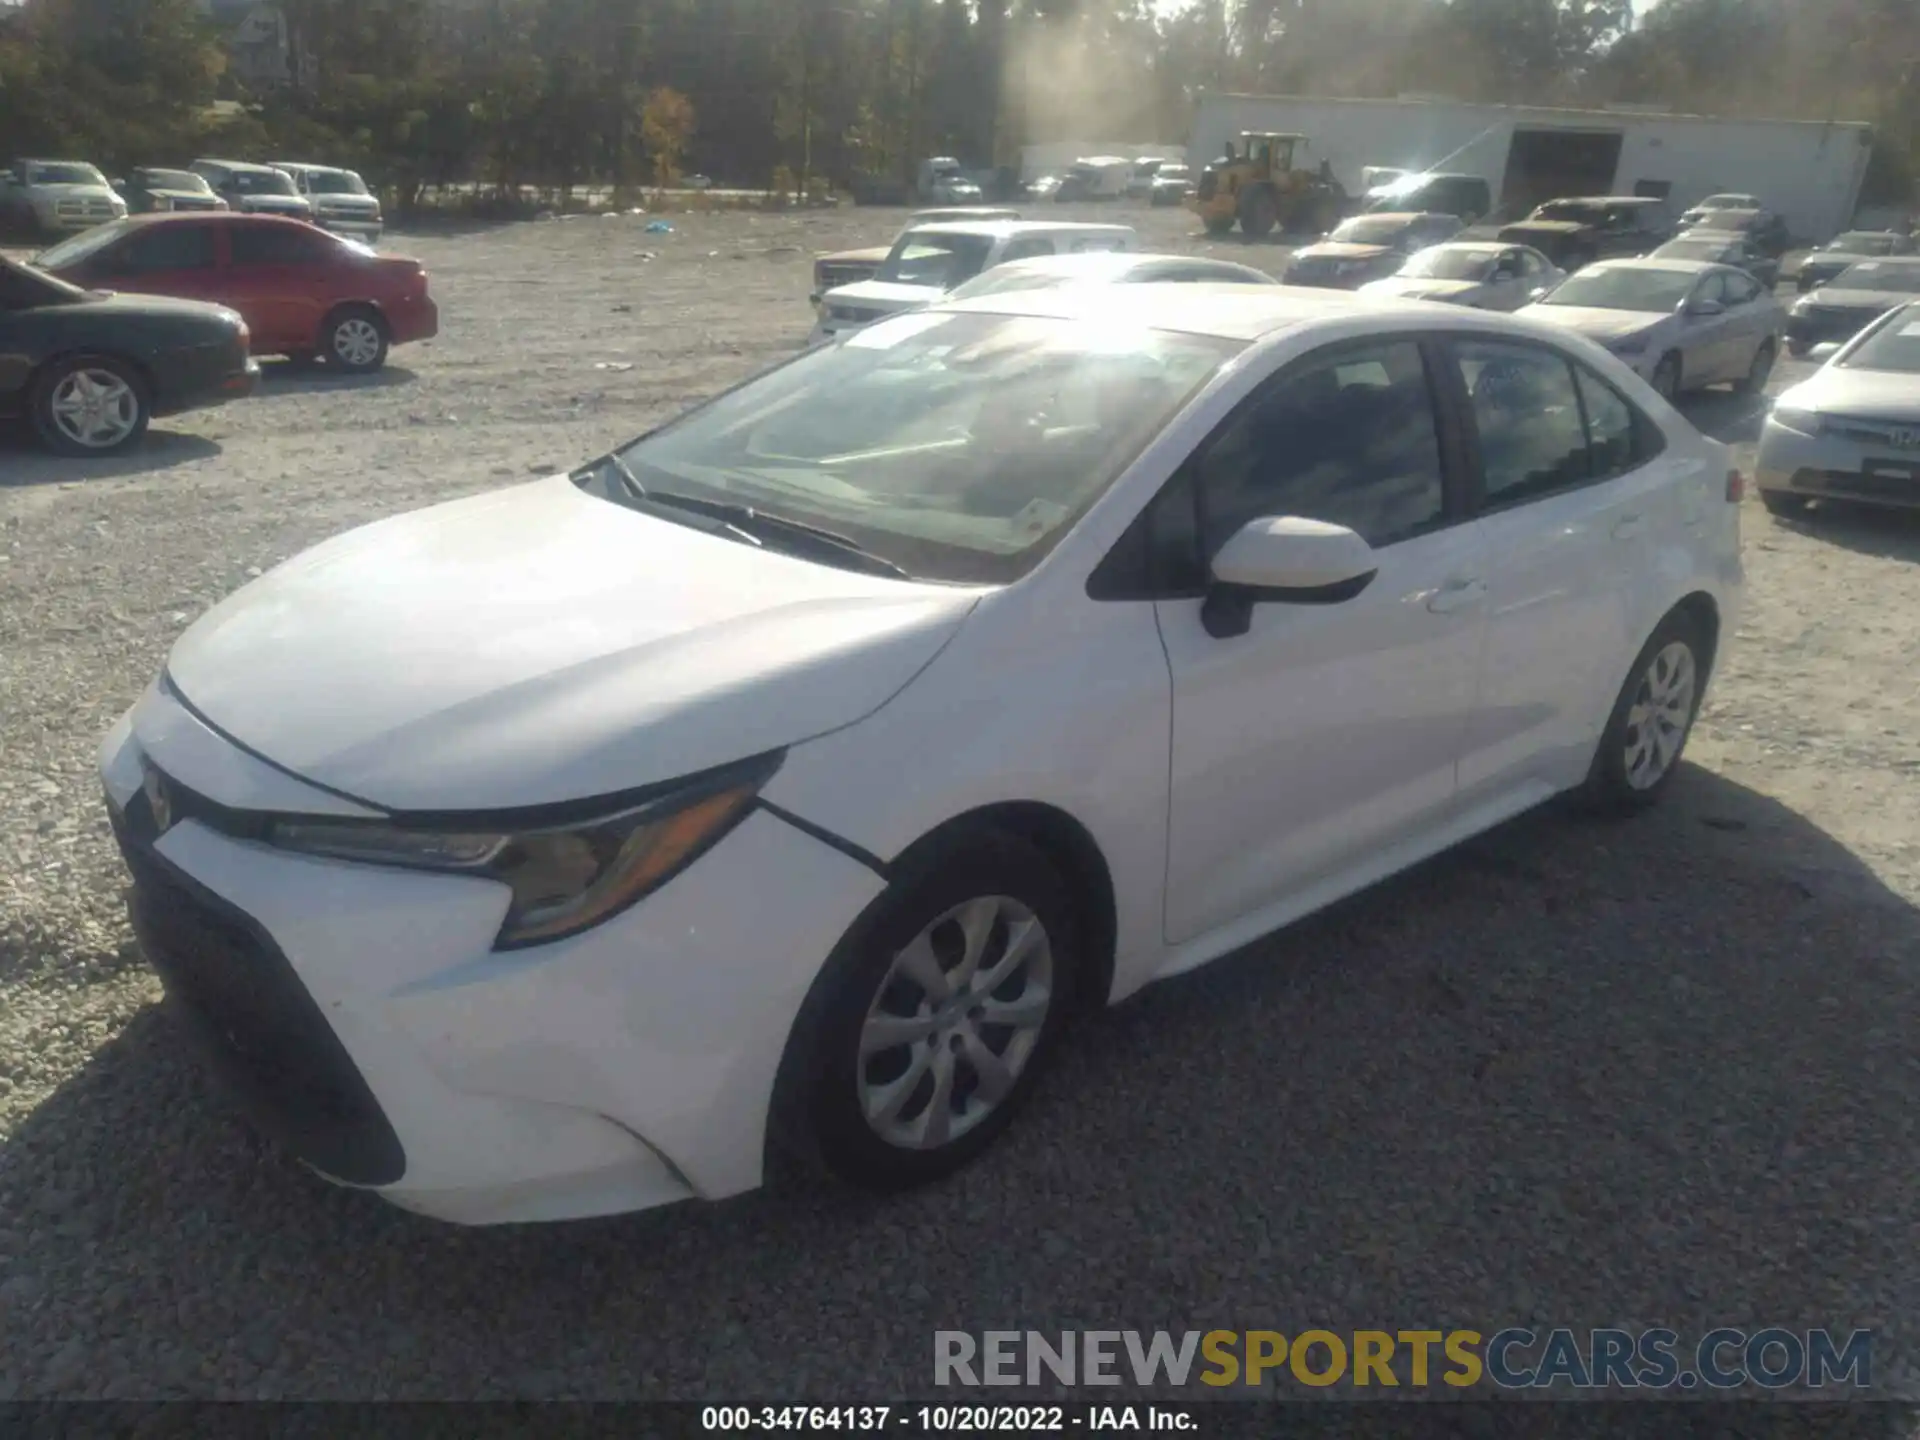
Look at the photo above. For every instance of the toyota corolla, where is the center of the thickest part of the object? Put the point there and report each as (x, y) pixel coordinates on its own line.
(789, 776)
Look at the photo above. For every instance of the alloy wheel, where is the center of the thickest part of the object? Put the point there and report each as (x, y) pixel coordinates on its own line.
(955, 1021)
(94, 408)
(1661, 713)
(356, 341)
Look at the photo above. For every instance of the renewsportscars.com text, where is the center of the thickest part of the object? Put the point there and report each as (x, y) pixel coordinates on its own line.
(1512, 1359)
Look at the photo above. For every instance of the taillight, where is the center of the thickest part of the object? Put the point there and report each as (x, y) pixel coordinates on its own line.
(1736, 487)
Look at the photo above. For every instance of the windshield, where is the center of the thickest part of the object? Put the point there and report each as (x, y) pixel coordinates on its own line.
(1880, 275)
(1714, 250)
(928, 257)
(69, 253)
(958, 447)
(1649, 290)
(1729, 202)
(1862, 242)
(1442, 263)
(1575, 210)
(64, 175)
(335, 182)
(182, 180)
(1172, 172)
(1894, 346)
(1369, 230)
(22, 287)
(262, 182)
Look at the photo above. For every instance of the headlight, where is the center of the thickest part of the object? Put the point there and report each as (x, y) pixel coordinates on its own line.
(565, 877)
(1807, 422)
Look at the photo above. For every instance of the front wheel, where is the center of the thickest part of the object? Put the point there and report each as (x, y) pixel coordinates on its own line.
(355, 340)
(1258, 215)
(90, 405)
(929, 1026)
(1220, 226)
(1666, 378)
(1757, 373)
(1641, 746)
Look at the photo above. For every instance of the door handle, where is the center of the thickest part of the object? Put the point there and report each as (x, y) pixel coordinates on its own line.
(1629, 526)
(1456, 594)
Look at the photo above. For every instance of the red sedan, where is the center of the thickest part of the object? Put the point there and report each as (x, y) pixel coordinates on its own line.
(302, 291)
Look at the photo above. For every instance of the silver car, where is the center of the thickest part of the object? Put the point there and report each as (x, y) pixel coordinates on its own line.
(1852, 432)
(1484, 274)
(1681, 324)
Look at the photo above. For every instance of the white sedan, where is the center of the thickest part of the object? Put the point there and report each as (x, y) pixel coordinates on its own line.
(789, 776)
(1681, 324)
(1484, 274)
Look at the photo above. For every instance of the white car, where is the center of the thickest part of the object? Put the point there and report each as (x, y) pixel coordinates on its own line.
(790, 776)
(1681, 324)
(1109, 268)
(1852, 431)
(57, 197)
(927, 261)
(1484, 274)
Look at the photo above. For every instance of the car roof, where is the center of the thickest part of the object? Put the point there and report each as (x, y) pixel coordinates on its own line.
(999, 229)
(1222, 311)
(232, 164)
(1896, 262)
(1100, 261)
(1682, 267)
(1712, 237)
(1480, 247)
(216, 217)
(1642, 200)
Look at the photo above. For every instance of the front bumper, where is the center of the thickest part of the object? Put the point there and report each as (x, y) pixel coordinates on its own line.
(365, 1019)
(1836, 466)
(359, 227)
(207, 378)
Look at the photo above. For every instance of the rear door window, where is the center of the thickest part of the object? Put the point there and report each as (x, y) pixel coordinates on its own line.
(159, 248)
(280, 245)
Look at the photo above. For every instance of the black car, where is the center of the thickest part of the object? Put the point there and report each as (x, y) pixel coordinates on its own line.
(1766, 231)
(1845, 249)
(1722, 247)
(150, 192)
(1578, 231)
(90, 369)
(1851, 301)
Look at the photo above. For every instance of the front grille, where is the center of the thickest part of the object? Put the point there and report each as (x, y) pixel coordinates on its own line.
(84, 208)
(260, 1027)
(1858, 484)
(1902, 435)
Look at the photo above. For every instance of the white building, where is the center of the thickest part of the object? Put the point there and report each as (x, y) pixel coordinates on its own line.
(1807, 170)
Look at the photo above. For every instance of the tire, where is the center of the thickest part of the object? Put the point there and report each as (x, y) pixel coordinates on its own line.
(1635, 762)
(1667, 379)
(1220, 227)
(1257, 214)
(354, 339)
(834, 1076)
(1783, 503)
(1757, 373)
(1799, 349)
(91, 405)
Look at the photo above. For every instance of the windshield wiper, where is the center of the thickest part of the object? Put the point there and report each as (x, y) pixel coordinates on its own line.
(757, 525)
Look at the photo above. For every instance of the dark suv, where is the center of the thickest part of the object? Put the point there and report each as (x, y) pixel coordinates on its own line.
(1576, 232)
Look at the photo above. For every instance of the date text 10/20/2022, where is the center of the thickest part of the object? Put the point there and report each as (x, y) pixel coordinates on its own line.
(948, 1419)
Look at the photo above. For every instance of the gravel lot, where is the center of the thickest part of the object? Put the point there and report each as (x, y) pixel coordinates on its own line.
(1662, 1072)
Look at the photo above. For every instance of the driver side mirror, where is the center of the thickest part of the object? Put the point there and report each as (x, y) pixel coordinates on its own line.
(1706, 309)
(1286, 560)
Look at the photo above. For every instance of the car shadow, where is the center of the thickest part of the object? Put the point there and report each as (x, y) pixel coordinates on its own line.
(286, 377)
(1726, 415)
(23, 462)
(1868, 530)
(1568, 1073)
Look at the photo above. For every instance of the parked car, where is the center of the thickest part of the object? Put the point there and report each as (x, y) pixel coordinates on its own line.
(1725, 200)
(1485, 275)
(929, 260)
(782, 781)
(1852, 432)
(1096, 177)
(1577, 232)
(1140, 180)
(1843, 250)
(942, 181)
(1112, 267)
(1851, 301)
(1172, 184)
(304, 293)
(150, 191)
(1044, 187)
(255, 189)
(1680, 324)
(54, 197)
(89, 371)
(1467, 197)
(1367, 247)
(849, 267)
(1765, 231)
(341, 200)
(1721, 247)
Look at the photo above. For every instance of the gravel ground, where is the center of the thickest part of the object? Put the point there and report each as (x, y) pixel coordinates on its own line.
(1661, 1072)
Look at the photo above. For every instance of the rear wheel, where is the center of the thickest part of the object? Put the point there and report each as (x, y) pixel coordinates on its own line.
(1799, 349)
(1640, 749)
(1258, 214)
(1758, 372)
(355, 340)
(1221, 226)
(90, 405)
(1666, 378)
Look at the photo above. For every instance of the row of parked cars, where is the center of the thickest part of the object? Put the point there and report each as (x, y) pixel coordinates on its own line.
(156, 313)
(46, 198)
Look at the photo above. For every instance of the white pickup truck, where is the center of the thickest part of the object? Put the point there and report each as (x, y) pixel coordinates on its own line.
(929, 260)
(52, 197)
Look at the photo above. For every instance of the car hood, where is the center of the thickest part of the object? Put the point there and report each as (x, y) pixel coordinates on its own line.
(1409, 288)
(1341, 250)
(72, 192)
(114, 305)
(359, 204)
(1605, 326)
(539, 644)
(874, 255)
(199, 195)
(1864, 394)
(1546, 227)
(884, 295)
(272, 202)
(1830, 298)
